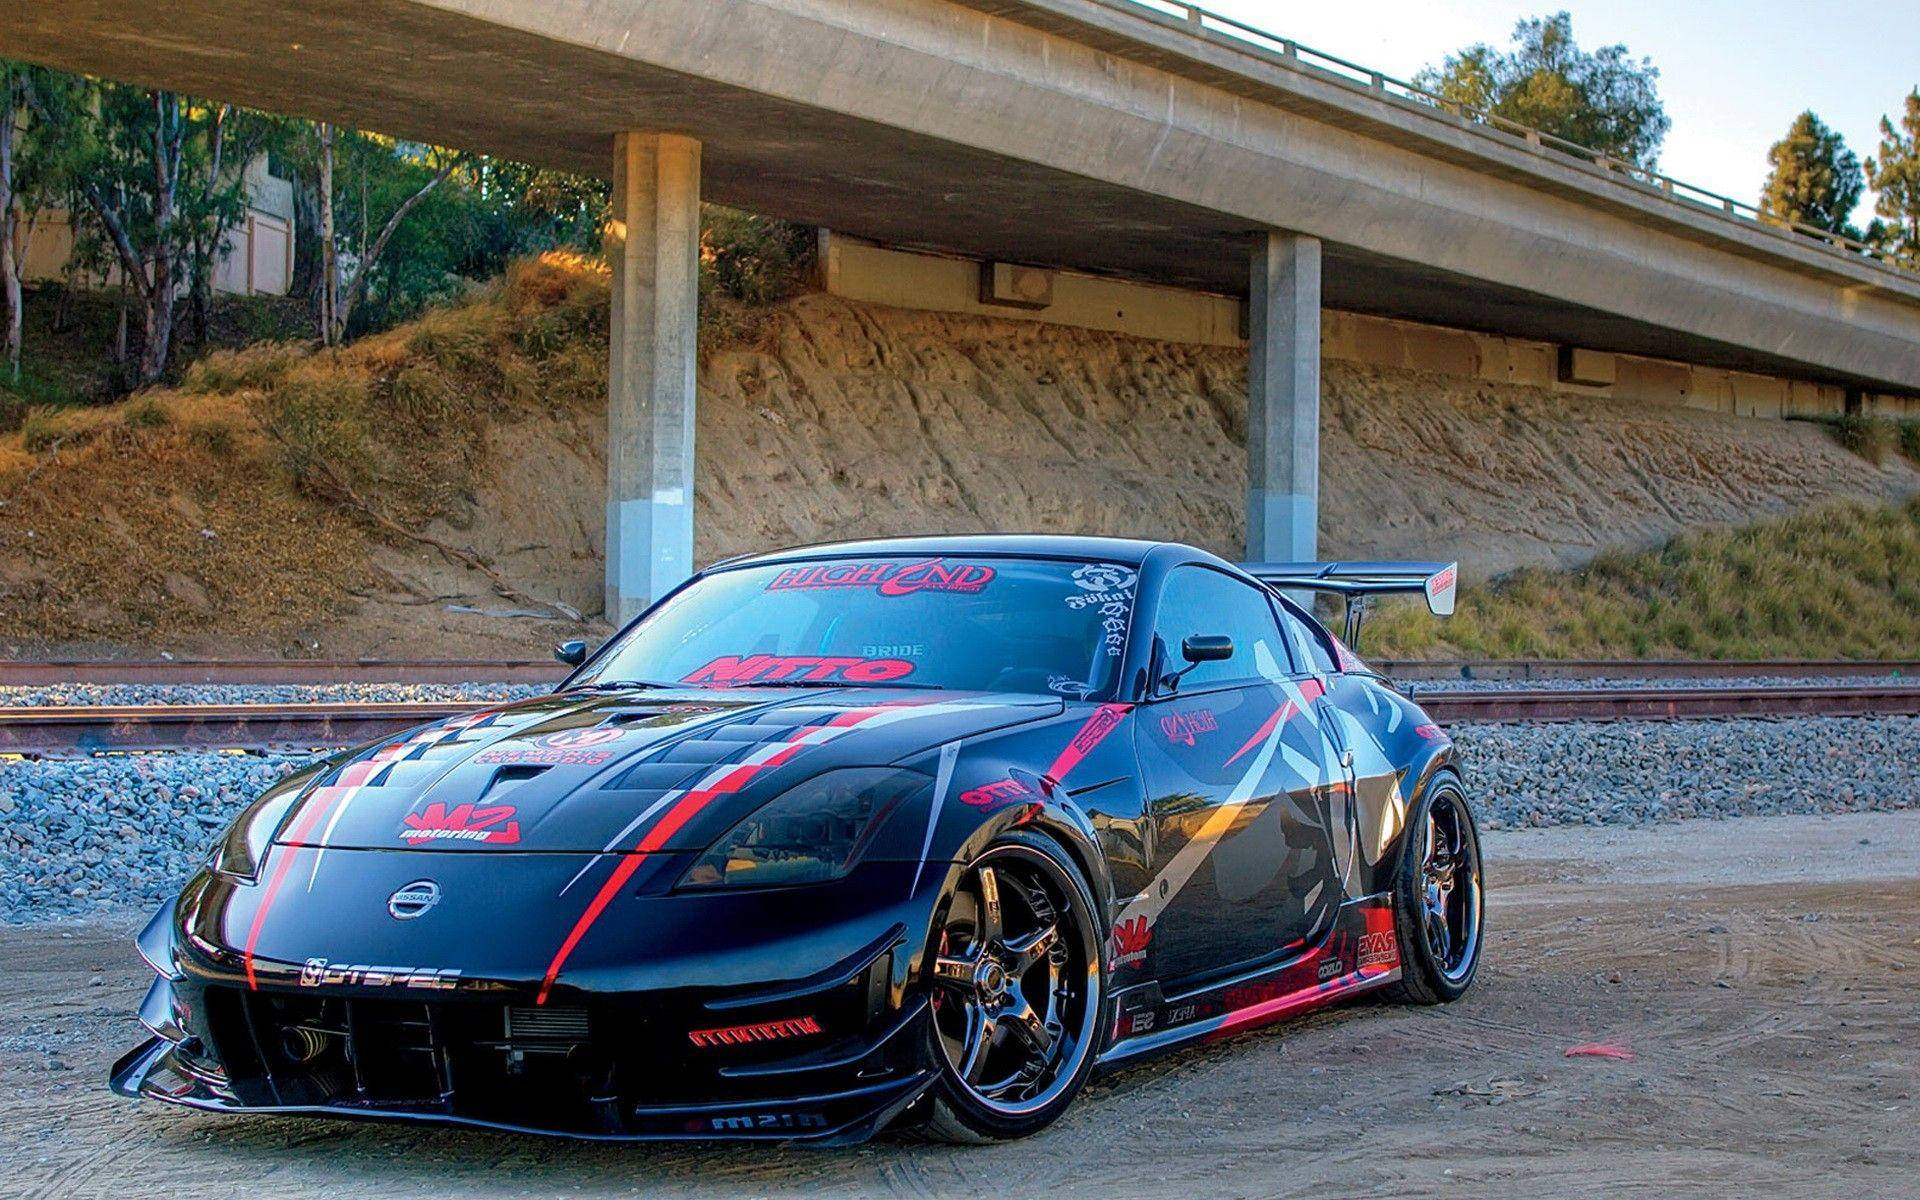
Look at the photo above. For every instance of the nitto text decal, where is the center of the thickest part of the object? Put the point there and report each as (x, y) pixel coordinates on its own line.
(731, 669)
(886, 578)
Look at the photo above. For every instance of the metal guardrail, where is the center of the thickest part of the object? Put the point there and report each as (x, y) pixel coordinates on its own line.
(1271, 48)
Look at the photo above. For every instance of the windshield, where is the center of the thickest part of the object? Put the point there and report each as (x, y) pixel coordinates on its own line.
(973, 624)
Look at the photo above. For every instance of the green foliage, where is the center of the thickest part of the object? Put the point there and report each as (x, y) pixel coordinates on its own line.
(1869, 437)
(1894, 175)
(41, 431)
(1909, 439)
(1836, 581)
(145, 413)
(1601, 99)
(1815, 179)
(746, 263)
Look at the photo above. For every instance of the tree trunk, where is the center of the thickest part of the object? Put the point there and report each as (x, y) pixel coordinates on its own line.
(370, 253)
(9, 270)
(329, 250)
(157, 311)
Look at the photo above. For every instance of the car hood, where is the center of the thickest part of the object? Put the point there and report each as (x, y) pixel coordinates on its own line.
(581, 771)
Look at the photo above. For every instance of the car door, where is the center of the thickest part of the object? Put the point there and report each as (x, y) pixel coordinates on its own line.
(1237, 775)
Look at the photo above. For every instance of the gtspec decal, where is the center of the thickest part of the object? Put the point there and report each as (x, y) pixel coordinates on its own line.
(1185, 727)
(1130, 941)
(1002, 793)
(1378, 949)
(732, 669)
(318, 972)
(1104, 721)
(765, 1031)
(463, 823)
(886, 578)
(1111, 587)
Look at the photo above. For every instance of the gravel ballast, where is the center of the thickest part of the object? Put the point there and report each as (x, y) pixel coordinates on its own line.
(80, 836)
(69, 694)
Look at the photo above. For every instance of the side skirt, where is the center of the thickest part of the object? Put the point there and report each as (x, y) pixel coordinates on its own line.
(1362, 952)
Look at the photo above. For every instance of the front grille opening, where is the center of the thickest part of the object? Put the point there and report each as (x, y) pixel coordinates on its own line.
(600, 1068)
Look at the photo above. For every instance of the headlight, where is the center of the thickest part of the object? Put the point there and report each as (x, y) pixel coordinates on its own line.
(813, 832)
(240, 852)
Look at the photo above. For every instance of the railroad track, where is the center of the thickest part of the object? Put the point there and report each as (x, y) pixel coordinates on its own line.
(317, 671)
(67, 730)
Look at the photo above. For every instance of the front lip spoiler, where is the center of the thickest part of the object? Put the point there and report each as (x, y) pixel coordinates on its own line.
(151, 1071)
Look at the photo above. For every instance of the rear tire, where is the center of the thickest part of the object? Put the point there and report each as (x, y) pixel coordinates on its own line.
(1439, 903)
(1018, 982)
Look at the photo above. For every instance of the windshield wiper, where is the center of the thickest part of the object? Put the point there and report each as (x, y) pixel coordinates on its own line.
(620, 685)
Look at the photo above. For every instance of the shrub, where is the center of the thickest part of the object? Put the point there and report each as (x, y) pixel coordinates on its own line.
(1910, 439)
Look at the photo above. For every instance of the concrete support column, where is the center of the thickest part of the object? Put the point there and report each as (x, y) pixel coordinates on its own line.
(1283, 399)
(654, 246)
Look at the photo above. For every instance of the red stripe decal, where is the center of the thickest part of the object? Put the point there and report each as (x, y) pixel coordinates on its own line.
(1104, 721)
(1283, 713)
(664, 829)
(321, 800)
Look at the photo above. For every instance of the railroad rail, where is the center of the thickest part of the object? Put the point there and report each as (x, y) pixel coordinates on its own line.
(56, 730)
(449, 671)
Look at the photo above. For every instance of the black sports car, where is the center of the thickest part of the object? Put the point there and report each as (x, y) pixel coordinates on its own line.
(832, 838)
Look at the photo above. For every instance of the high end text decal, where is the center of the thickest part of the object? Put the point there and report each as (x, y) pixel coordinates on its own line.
(886, 578)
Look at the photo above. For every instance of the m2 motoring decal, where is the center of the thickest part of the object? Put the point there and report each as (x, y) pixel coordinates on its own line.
(886, 578)
(493, 824)
(730, 669)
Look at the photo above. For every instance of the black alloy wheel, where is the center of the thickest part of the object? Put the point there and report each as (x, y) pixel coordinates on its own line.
(1016, 992)
(1439, 899)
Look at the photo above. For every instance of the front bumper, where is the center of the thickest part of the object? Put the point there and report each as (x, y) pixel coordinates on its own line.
(831, 1057)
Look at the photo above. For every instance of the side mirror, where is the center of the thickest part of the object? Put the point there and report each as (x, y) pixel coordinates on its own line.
(575, 652)
(1206, 648)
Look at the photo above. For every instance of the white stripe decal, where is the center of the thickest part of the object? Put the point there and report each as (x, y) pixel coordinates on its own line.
(948, 753)
(637, 822)
(1174, 876)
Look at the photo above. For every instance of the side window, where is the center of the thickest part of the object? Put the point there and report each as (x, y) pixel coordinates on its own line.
(1311, 640)
(1196, 600)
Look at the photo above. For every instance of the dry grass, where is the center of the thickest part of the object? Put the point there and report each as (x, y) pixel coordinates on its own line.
(1840, 581)
(101, 536)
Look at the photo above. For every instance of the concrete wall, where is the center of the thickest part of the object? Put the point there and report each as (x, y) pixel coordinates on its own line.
(862, 270)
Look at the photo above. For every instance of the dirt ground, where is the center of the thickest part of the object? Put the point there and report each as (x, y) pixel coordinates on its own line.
(1762, 971)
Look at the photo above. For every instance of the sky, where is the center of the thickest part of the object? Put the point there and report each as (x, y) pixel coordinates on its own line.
(1733, 73)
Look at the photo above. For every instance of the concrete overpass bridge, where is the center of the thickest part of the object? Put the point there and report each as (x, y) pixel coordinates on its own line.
(1147, 141)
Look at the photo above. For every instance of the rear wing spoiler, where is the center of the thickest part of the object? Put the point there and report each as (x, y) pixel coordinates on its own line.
(1438, 582)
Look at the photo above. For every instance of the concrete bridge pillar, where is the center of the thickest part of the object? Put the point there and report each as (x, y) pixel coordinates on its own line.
(1283, 399)
(654, 246)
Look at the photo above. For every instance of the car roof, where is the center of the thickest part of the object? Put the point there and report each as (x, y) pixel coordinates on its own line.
(1127, 551)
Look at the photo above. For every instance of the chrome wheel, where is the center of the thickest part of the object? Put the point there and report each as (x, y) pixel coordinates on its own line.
(1016, 982)
(1449, 882)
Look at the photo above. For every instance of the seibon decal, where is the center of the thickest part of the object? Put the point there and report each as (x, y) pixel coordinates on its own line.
(731, 669)
(886, 578)
(493, 824)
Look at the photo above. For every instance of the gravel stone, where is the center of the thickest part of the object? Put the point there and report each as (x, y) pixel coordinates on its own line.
(257, 693)
(81, 836)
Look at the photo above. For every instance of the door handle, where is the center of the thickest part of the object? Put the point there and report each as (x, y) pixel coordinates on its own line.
(1346, 760)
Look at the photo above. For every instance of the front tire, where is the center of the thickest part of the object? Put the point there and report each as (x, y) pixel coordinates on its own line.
(1017, 985)
(1439, 903)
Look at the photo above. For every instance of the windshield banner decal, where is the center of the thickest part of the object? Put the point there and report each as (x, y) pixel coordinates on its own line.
(886, 578)
(731, 669)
